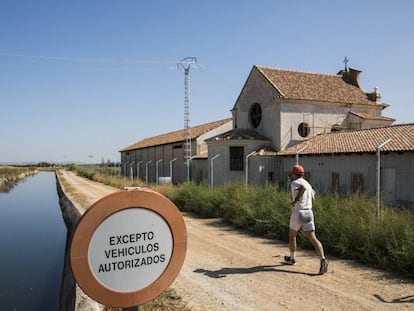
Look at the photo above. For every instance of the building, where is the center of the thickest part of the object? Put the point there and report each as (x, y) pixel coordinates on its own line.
(278, 108)
(281, 115)
(347, 162)
(162, 157)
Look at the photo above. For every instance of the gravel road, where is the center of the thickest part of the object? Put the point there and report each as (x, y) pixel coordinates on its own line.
(226, 269)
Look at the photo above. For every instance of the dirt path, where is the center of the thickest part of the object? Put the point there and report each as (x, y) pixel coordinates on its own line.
(228, 270)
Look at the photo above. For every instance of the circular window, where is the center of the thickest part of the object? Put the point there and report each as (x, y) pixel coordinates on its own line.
(335, 128)
(255, 115)
(304, 129)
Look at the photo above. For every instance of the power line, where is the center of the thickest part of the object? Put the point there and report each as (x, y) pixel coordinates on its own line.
(86, 60)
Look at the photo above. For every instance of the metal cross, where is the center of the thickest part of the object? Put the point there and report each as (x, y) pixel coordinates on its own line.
(346, 60)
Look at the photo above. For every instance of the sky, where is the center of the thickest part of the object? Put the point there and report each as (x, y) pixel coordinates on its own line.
(80, 80)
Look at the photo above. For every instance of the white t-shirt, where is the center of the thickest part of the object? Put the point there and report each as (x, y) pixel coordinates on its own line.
(305, 201)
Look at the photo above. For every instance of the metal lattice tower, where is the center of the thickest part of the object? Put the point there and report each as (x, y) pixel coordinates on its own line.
(185, 64)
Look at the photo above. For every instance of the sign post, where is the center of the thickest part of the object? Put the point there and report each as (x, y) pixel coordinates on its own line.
(128, 248)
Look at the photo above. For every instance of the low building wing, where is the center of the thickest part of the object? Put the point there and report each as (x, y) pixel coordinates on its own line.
(358, 141)
(176, 136)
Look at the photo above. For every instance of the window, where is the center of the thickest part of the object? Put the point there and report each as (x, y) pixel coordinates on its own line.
(335, 128)
(270, 176)
(255, 115)
(236, 158)
(357, 183)
(304, 129)
(335, 182)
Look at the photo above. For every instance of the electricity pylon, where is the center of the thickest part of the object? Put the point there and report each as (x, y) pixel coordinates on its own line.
(185, 64)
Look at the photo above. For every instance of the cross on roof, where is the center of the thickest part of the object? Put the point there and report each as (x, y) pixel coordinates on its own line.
(346, 60)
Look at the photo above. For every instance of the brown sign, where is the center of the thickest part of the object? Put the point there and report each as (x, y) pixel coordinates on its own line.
(128, 247)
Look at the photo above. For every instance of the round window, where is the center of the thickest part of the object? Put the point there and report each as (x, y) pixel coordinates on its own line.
(255, 115)
(304, 129)
(335, 128)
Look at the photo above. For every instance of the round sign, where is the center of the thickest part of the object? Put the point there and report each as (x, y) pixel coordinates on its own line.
(128, 247)
(129, 259)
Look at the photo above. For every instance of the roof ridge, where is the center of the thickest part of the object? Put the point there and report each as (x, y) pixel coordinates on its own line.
(367, 114)
(177, 135)
(376, 128)
(298, 71)
(192, 127)
(343, 132)
(357, 141)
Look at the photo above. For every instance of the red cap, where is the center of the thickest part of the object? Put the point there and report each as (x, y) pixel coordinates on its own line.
(298, 170)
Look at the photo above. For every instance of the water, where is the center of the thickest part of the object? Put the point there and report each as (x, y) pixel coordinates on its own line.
(32, 245)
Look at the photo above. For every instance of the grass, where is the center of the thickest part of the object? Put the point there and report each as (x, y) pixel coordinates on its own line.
(11, 172)
(11, 175)
(168, 300)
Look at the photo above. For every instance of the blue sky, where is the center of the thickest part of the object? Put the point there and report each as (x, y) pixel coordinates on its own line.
(87, 78)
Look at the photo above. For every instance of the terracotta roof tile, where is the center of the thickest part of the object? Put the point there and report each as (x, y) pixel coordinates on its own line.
(370, 116)
(239, 134)
(266, 150)
(177, 136)
(358, 141)
(202, 155)
(300, 85)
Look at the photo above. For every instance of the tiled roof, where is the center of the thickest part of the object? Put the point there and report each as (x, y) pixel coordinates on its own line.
(299, 85)
(266, 150)
(177, 136)
(239, 134)
(202, 155)
(370, 116)
(358, 141)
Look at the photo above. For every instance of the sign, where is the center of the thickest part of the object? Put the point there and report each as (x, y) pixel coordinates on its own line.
(128, 247)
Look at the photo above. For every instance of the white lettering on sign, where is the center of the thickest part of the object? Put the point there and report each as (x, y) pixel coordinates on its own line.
(130, 249)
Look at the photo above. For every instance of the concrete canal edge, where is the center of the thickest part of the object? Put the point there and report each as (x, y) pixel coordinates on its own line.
(72, 298)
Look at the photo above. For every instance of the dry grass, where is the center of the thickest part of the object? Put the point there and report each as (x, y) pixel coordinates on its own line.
(168, 300)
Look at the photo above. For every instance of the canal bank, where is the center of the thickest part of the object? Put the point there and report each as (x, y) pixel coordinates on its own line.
(9, 180)
(73, 205)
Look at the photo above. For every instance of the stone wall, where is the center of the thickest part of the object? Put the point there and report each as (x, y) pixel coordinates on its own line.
(72, 297)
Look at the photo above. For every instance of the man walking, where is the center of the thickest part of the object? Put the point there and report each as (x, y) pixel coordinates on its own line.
(302, 197)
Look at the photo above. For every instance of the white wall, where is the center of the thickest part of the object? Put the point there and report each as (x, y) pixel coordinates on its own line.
(221, 165)
(393, 189)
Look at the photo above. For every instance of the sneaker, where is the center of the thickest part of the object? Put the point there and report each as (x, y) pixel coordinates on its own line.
(324, 266)
(290, 261)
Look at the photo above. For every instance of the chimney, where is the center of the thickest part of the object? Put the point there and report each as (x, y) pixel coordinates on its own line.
(375, 96)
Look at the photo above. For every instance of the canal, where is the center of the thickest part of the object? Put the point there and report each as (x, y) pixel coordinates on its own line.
(32, 245)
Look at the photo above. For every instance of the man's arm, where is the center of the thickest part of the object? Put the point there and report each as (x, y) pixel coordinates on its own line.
(301, 191)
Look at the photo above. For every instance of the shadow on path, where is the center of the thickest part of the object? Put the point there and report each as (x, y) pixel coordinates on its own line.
(406, 299)
(223, 272)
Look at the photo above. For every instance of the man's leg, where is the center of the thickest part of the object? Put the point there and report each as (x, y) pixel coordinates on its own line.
(292, 247)
(319, 249)
(316, 243)
(292, 242)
